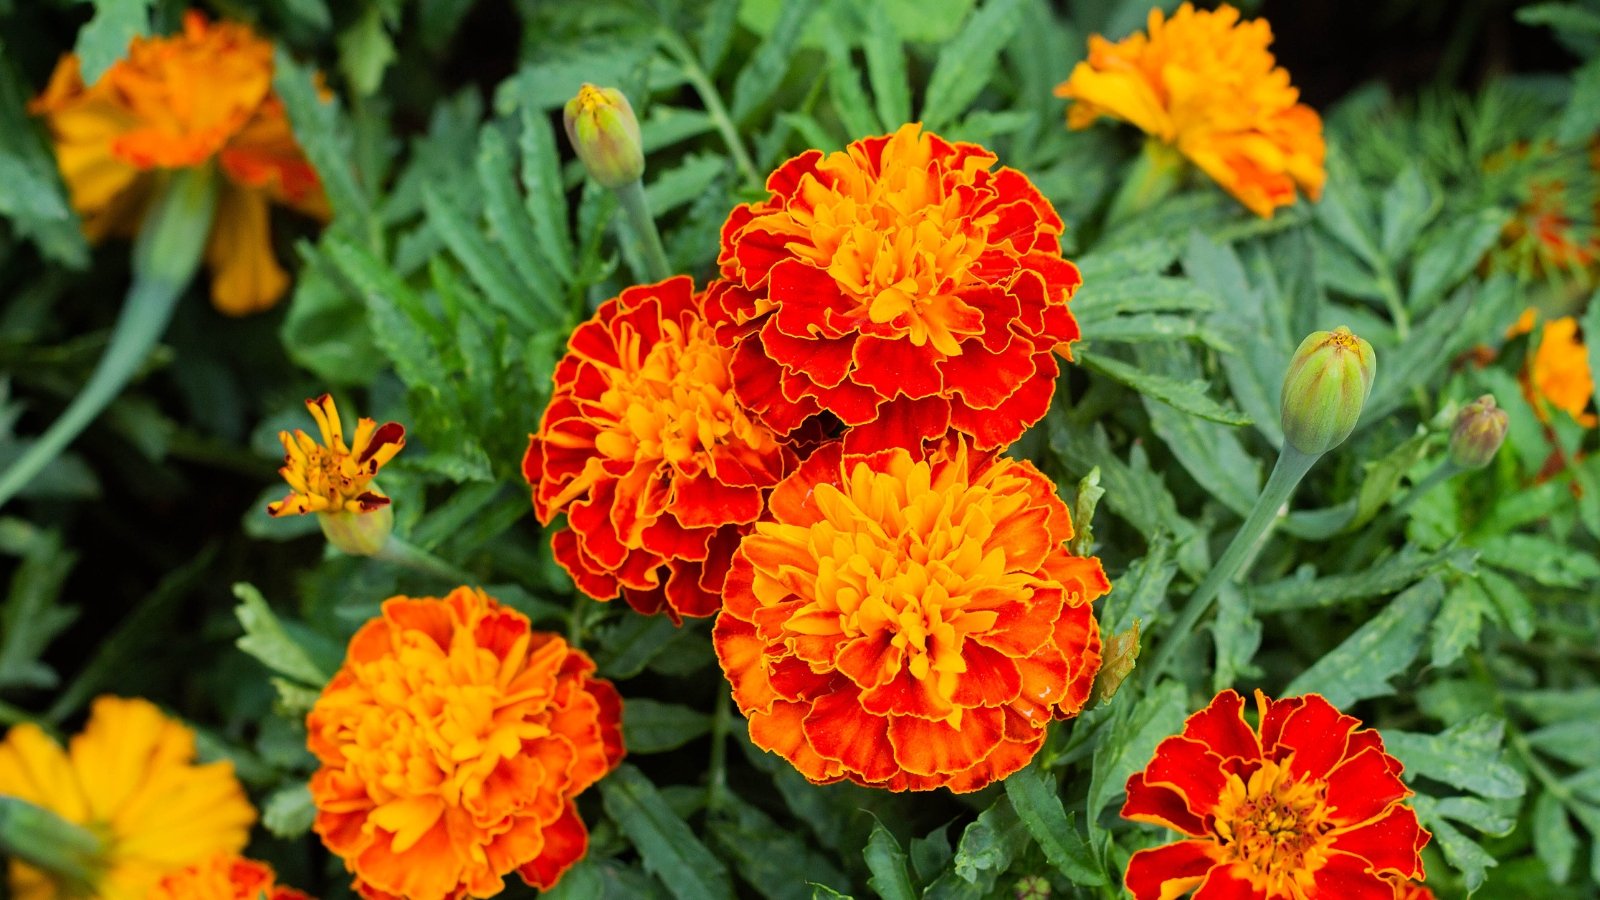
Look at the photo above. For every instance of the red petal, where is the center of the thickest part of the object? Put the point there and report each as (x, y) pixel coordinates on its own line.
(1160, 805)
(1389, 844)
(926, 747)
(1190, 769)
(825, 361)
(1363, 786)
(840, 729)
(1185, 862)
(895, 367)
(1348, 878)
(903, 423)
(1222, 884)
(1316, 734)
(1221, 727)
(565, 842)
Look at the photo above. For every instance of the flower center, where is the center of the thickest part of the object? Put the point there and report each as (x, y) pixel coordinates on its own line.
(1274, 828)
(674, 402)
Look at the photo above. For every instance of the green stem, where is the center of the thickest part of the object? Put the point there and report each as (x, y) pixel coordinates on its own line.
(402, 553)
(713, 104)
(717, 776)
(72, 854)
(1291, 466)
(636, 212)
(1444, 472)
(1152, 177)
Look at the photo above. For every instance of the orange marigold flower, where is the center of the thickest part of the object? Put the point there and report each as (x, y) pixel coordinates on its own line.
(904, 286)
(1306, 805)
(1205, 83)
(453, 741)
(643, 445)
(131, 777)
(224, 876)
(332, 477)
(1558, 373)
(910, 624)
(175, 102)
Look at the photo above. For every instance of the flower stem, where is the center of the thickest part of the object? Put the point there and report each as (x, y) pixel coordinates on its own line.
(1153, 176)
(72, 854)
(1291, 466)
(717, 775)
(713, 103)
(402, 553)
(636, 212)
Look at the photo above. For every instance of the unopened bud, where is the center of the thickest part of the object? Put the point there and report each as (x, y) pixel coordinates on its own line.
(358, 533)
(1479, 430)
(605, 134)
(1328, 381)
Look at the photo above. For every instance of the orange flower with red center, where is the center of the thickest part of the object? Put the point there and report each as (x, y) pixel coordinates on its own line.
(452, 742)
(657, 466)
(910, 624)
(224, 877)
(902, 285)
(201, 96)
(1306, 806)
(1558, 374)
(1205, 83)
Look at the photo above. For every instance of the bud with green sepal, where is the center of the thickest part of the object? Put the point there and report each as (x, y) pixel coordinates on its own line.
(1327, 384)
(1478, 432)
(605, 135)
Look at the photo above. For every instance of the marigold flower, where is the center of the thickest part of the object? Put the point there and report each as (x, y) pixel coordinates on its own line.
(910, 624)
(904, 286)
(643, 445)
(452, 742)
(1558, 373)
(224, 876)
(202, 95)
(130, 776)
(1305, 805)
(333, 477)
(1205, 83)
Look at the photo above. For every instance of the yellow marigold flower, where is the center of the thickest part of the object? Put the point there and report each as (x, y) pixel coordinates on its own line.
(224, 876)
(130, 777)
(203, 95)
(1205, 83)
(333, 477)
(452, 742)
(1558, 373)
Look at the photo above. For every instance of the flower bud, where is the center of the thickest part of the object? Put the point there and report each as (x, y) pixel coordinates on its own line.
(358, 533)
(1328, 381)
(1479, 430)
(604, 132)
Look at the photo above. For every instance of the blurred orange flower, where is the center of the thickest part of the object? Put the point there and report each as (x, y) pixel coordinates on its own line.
(1205, 83)
(333, 477)
(131, 778)
(1558, 373)
(1304, 805)
(644, 447)
(902, 285)
(224, 877)
(910, 624)
(176, 102)
(452, 743)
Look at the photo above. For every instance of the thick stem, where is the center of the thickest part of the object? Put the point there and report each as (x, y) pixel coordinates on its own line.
(636, 212)
(1153, 176)
(72, 854)
(396, 550)
(1291, 466)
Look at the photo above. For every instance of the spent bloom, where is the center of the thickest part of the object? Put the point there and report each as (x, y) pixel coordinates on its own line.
(604, 132)
(452, 742)
(903, 285)
(200, 97)
(131, 778)
(1307, 804)
(644, 447)
(910, 624)
(1205, 83)
(224, 876)
(1328, 382)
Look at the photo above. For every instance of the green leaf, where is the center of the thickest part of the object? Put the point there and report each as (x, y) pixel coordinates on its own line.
(489, 270)
(289, 811)
(767, 854)
(685, 182)
(665, 842)
(649, 726)
(1554, 839)
(365, 51)
(1567, 17)
(886, 67)
(1346, 212)
(513, 227)
(1099, 301)
(716, 31)
(1253, 321)
(34, 198)
(326, 329)
(987, 849)
(1211, 453)
(105, 39)
(1385, 646)
(1133, 490)
(1134, 732)
(1459, 850)
(1186, 396)
(1408, 206)
(1467, 755)
(32, 616)
(630, 646)
(1549, 562)
(887, 863)
(1382, 478)
(546, 199)
(1037, 803)
(324, 136)
(1304, 591)
(1571, 742)
(1452, 253)
(823, 892)
(967, 62)
(762, 75)
(1581, 118)
(1460, 621)
(265, 639)
(931, 853)
(844, 84)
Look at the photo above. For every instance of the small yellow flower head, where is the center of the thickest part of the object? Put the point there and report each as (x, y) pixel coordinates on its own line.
(335, 481)
(1479, 430)
(1328, 381)
(605, 134)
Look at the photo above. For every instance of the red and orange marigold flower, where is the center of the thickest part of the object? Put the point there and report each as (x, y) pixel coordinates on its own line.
(903, 285)
(224, 877)
(452, 743)
(1205, 83)
(644, 447)
(1308, 804)
(198, 97)
(910, 624)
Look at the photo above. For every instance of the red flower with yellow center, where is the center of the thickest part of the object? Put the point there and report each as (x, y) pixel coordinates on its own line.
(643, 445)
(1307, 806)
(910, 624)
(452, 742)
(201, 96)
(224, 877)
(1205, 83)
(903, 285)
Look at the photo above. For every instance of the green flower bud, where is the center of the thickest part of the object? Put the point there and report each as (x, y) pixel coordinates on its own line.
(604, 132)
(358, 533)
(1478, 432)
(1328, 381)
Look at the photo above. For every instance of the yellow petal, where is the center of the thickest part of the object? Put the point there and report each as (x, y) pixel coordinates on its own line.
(245, 277)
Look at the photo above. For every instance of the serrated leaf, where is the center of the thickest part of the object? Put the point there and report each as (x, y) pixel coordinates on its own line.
(630, 646)
(1385, 646)
(489, 270)
(1452, 253)
(1408, 206)
(1549, 562)
(506, 214)
(665, 842)
(716, 31)
(766, 854)
(766, 68)
(546, 200)
(650, 726)
(1459, 850)
(1099, 301)
(1382, 478)
(1033, 795)
(1135, 730)
(265, 639)
(1554, 839)
(886, 67)
(324, 136)
(289, 811)
(887, 863)
(685, 182)
(967, 62)
(1459, 622)
(1346, 212)
(1572, 742)
(365, 51)
(1186, 396)
(1581, 118)
(105, 39)
(1211, 453)
(1467, 755)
